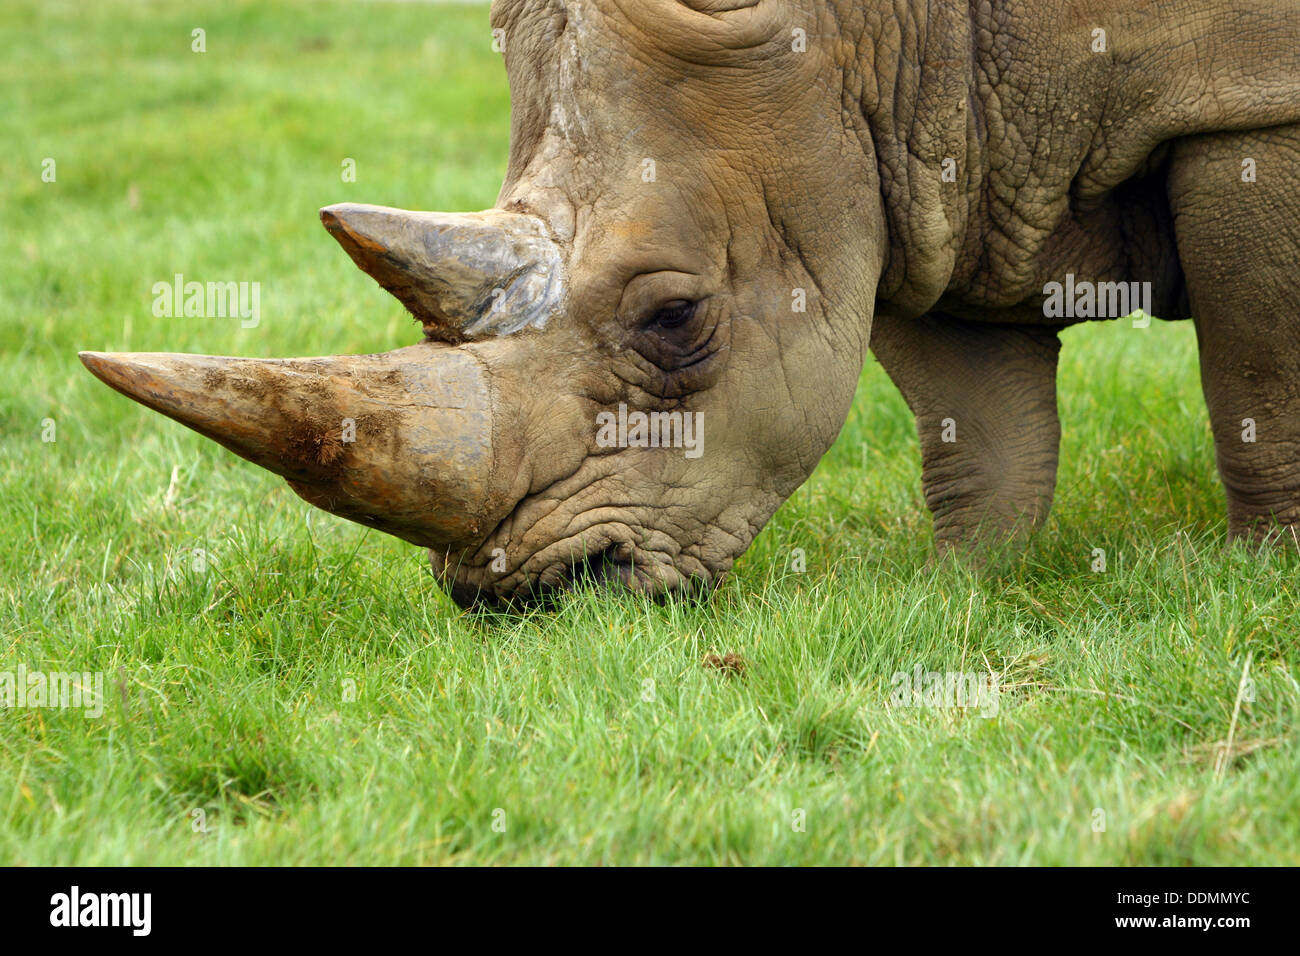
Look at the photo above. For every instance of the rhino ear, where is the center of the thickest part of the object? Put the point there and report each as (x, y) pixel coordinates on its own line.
(464, 275)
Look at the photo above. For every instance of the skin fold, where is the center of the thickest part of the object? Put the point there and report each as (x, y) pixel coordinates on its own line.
(717, 207)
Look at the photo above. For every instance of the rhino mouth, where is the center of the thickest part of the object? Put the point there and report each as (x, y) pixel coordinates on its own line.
(608, 569)
(603, 558)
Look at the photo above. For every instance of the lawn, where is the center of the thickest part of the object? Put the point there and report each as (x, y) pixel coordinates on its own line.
(283, 687)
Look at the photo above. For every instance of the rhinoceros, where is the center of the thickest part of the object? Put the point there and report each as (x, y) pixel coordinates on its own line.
(714, 208)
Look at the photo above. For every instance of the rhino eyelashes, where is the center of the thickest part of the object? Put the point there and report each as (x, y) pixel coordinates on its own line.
(717, 7)
(675, 314)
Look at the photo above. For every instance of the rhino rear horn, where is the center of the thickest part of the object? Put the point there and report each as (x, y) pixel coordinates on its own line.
(464, 275)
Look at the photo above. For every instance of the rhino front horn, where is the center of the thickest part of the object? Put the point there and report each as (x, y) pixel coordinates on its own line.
(464, 275)
(399, 441)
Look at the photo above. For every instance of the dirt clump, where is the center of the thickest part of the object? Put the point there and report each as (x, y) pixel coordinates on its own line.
(730, 663)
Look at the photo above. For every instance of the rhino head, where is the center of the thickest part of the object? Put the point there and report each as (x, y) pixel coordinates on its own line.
(687, 231)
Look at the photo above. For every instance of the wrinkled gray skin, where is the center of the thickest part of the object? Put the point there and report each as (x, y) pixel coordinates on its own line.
(779, 169)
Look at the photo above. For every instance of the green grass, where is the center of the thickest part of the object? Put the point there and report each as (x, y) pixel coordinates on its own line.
(228, 688)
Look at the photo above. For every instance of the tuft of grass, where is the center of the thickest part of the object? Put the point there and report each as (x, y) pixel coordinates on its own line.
(283, 687)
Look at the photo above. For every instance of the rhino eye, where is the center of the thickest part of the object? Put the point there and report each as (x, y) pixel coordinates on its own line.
(674, 314)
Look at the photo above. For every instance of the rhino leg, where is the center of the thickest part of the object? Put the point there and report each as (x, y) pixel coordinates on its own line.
(1239, 242)
(984, 397)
